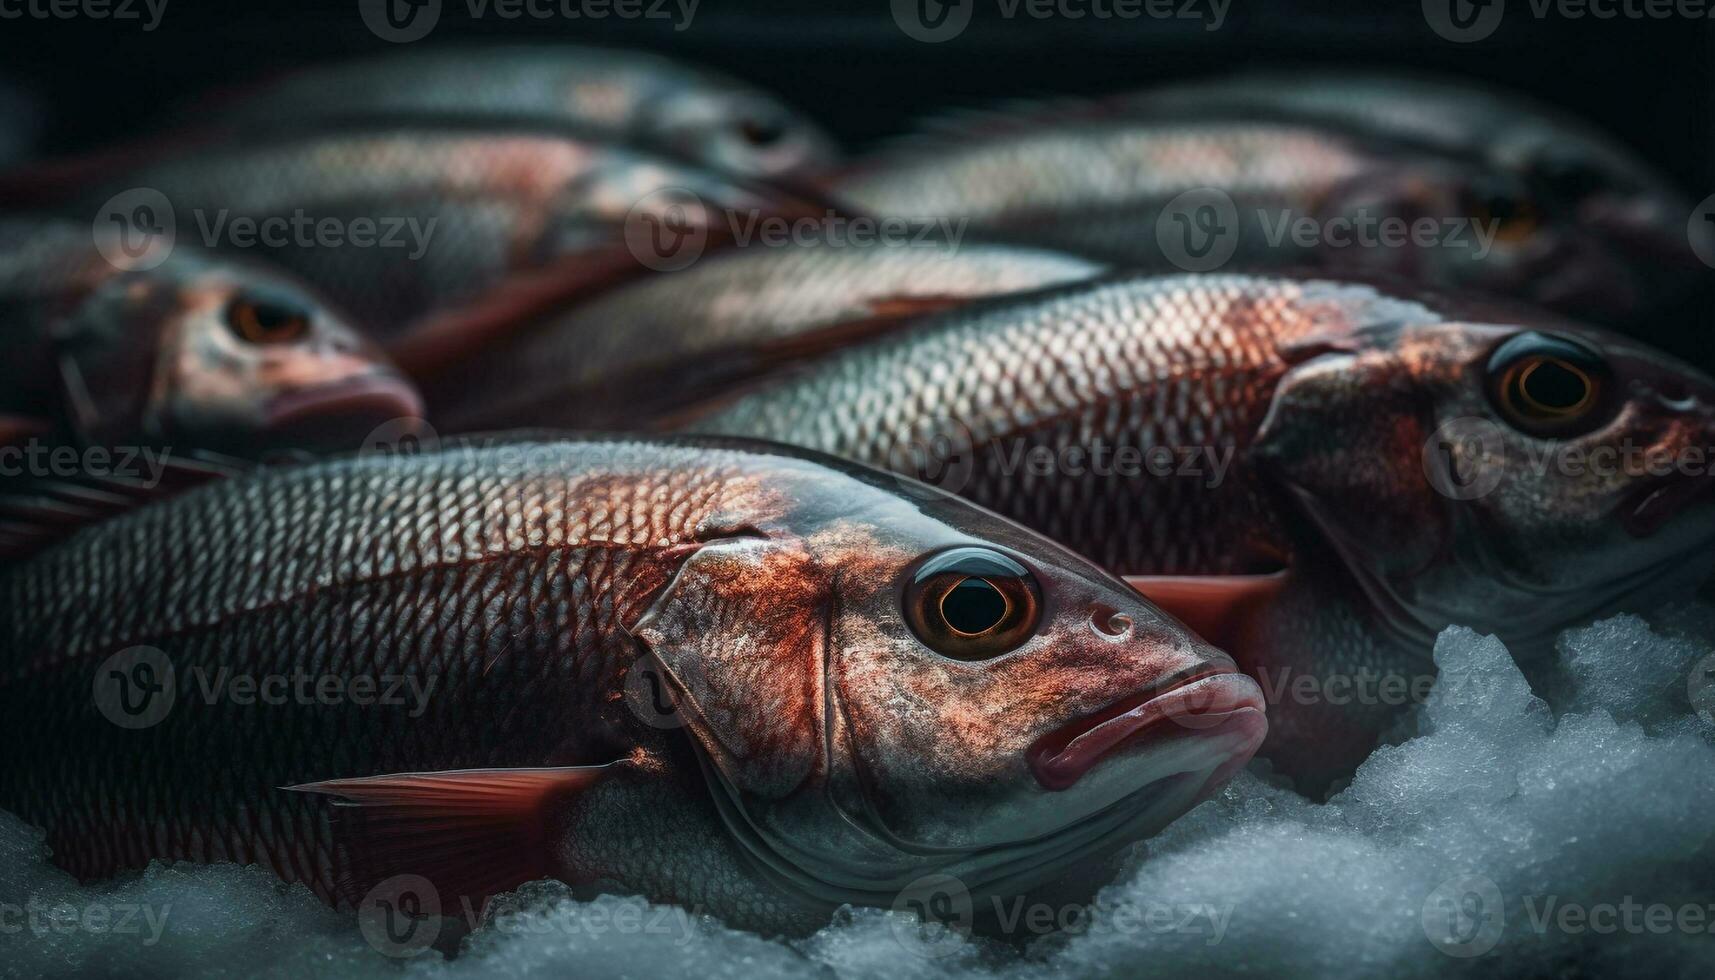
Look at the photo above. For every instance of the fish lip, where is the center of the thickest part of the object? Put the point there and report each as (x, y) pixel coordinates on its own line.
(1212, 699)
(372, 399)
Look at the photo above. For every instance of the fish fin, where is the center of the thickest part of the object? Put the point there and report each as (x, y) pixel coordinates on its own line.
(471, 832)
(1216, 607)
(36, 512)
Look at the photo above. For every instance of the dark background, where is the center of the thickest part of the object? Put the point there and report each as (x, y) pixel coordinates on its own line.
(848, 63)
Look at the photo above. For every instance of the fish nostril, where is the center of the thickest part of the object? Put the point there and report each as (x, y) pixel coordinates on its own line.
(1110, 623)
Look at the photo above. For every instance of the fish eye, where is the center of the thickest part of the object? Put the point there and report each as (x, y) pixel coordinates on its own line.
(1508, 209)
(1548, 386)
(972, 603)
(265, 321)
(762, 132)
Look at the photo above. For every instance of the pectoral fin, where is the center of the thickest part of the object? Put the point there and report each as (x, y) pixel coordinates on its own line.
(1220, 608)
(472, 832)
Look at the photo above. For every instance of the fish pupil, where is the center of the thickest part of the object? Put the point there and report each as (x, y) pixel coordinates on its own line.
(974, 606)
(1554, 385)
(761, 133)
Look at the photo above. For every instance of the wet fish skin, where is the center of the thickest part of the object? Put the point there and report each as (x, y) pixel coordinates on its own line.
(1293, 421)
(647, 100)
(1568, 219)
(151, 351)
(645, 348)
(520, 584)
(464, 231)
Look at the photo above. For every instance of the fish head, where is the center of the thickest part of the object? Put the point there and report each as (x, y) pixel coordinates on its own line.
(741, 132)
(205, 354)
(1515, 478)
(884, 685)
(1565, 227)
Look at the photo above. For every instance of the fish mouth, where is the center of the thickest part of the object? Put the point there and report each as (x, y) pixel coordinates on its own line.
(340, 414)
(1215, 701)
(1649, 508)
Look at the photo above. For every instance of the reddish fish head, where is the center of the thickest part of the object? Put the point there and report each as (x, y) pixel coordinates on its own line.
(886, 683)
(203, 354)
(1515, 479)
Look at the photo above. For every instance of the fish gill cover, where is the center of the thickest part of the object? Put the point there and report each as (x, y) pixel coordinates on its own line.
(1500, 827)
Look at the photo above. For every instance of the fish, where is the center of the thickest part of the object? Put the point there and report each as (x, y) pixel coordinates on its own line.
(437, 240)
(1319, 475)
(743, 678)
(655, 103)
(175, 347)
(1443, 185)
(634, 354)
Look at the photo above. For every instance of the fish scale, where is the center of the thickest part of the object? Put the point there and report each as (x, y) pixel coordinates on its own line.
(499, 606)
(1192, 363)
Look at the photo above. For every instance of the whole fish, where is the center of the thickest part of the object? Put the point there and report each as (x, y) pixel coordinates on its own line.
(747, 679)
(646, 100)
(1510, 201)
(1319, 475)
(177, 348)
(647, 347)
(438, 240)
